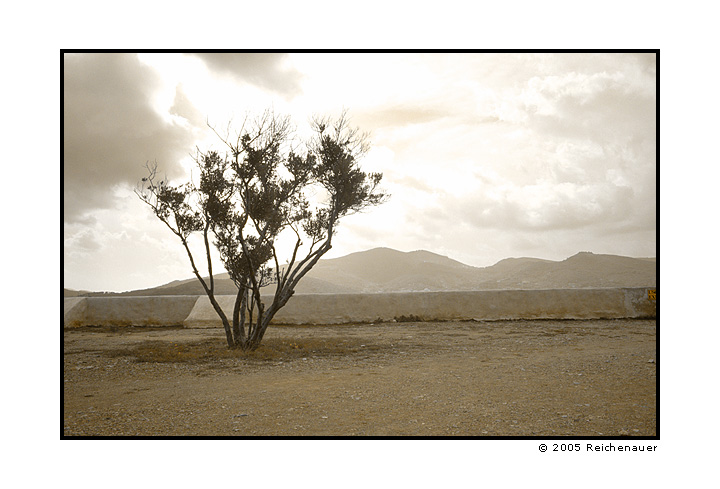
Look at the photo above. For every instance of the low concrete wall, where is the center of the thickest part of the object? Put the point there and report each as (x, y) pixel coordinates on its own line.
(483, 305)
(75, 309)
(197, 312)
(639, 303)
(128, 311)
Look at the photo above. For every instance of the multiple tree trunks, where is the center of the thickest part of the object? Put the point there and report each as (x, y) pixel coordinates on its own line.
(248, 196)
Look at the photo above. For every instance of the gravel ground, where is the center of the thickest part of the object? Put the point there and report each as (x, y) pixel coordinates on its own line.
(503, 378)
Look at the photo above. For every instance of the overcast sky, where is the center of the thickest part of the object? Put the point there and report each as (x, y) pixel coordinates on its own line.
(486, 156)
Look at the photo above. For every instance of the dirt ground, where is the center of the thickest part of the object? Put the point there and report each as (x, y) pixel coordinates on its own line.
(500, 378)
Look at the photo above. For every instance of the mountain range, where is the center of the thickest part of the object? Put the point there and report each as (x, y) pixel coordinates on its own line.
(387, 270)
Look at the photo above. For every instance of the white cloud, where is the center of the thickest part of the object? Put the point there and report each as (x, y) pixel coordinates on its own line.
(485, 155)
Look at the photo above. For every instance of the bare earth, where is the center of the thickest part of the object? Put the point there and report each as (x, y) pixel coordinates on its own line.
(503, 378)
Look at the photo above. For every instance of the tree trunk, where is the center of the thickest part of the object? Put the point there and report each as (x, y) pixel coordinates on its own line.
(223, 317)
(239, 318)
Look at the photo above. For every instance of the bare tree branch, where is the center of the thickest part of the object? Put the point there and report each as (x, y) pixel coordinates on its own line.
(249, 195)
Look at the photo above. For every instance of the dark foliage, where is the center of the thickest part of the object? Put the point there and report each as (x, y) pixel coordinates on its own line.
(259, 188)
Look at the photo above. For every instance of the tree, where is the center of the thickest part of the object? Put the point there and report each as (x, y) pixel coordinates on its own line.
(246, 197)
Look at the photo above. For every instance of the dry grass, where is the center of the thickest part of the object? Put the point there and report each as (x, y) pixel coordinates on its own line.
(272, 349)
(121, 330)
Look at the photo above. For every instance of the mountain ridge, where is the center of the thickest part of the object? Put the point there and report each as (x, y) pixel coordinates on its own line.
(380, 270)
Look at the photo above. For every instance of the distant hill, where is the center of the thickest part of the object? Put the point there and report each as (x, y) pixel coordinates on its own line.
(385, 269)
(388, 270)
(584, 270)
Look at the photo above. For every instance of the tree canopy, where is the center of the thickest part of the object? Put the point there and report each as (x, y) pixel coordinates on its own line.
(264, 183)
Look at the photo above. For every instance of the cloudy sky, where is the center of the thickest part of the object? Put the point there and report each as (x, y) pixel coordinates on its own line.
(485, 155)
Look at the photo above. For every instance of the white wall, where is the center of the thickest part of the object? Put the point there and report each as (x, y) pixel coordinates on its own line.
(197, 312)
(128, 311)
